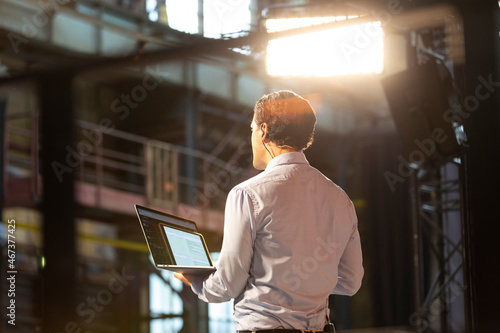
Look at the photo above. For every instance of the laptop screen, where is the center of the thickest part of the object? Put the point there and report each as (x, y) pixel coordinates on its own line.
(188, 249)
(150, 220)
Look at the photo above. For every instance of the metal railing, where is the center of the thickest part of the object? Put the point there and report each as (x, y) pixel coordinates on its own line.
(113, 159)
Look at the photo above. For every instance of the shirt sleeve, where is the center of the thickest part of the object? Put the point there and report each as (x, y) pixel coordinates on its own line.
(233, 265)
(351, 263)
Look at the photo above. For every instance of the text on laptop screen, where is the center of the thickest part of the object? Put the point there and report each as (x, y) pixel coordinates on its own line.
(187, 248)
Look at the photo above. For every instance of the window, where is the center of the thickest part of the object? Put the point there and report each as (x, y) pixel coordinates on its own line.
(223, 17)
(220, 17)
(182, 15)
(220, 315)
(165, 300)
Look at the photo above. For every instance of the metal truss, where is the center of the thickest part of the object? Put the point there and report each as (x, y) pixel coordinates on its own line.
(438, 248)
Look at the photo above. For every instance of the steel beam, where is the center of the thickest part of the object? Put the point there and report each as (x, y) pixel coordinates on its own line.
(58, 207)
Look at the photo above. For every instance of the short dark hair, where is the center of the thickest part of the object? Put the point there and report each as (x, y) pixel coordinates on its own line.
(290, 119)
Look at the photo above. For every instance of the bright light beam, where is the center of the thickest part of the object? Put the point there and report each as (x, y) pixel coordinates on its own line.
(354, 49)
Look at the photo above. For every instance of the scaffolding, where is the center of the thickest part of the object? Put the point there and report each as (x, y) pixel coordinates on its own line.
(439, 250)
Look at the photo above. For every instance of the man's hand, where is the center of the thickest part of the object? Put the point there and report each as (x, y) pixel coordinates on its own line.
(187, 279)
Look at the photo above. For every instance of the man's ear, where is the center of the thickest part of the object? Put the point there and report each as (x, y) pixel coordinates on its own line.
(264, 129)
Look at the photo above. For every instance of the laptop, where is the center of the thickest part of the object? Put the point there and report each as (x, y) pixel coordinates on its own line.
(174, 243)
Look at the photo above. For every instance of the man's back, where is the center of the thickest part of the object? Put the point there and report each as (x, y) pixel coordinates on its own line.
(301, 224)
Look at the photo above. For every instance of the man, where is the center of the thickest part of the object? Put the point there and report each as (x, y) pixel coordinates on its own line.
(290, 233)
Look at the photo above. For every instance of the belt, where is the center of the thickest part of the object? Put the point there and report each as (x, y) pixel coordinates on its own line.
(282, 330)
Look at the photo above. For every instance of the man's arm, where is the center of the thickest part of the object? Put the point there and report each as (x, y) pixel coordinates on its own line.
(351, 263)
(233, 265)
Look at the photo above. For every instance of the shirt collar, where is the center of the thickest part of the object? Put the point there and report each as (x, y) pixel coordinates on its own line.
(287, 158)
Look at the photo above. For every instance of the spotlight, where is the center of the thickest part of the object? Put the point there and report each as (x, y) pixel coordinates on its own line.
(343, 50)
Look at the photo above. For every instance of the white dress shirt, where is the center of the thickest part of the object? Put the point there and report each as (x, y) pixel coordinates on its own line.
(290, 240)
